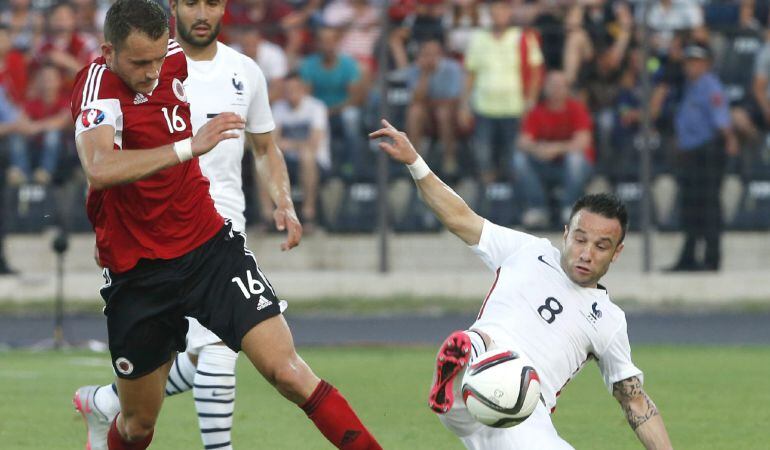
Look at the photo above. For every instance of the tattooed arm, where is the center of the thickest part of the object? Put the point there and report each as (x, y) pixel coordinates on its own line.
(642, 414)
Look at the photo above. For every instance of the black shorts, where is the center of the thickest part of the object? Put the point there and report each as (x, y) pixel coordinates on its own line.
(218, 283)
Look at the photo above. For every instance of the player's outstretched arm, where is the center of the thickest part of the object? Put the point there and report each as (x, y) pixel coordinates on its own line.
(271, 167)
(642, 414)
(449, 207)
(105, 167)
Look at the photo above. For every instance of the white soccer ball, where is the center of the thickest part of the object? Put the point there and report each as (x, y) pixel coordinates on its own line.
(501, 388)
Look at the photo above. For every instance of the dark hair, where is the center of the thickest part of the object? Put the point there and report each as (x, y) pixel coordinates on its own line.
(125, 16)
(606, 205)
(292, 75)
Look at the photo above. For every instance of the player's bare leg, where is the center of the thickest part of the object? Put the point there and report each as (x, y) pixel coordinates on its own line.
(270, 347)
(140, 402)
(453, 357)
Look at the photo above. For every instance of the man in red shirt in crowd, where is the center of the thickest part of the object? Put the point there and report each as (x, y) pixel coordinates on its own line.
(555, 147)
(166, 251)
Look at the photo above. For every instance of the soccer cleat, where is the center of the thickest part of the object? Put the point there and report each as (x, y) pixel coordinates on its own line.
(452, 357)
(97, 424)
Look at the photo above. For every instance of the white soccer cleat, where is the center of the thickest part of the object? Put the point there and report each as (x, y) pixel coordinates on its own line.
(97, 424)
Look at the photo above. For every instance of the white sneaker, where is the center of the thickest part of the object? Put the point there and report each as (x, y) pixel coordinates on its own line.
(97, 424)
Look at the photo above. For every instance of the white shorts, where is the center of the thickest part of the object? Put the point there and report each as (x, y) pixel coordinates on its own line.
(535, 433)
(199, 336)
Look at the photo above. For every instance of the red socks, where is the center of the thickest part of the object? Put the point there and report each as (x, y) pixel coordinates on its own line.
(115, 440)
(334, 417)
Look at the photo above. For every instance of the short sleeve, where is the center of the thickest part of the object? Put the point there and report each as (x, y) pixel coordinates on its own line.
(352, 73)
(259, 119)
(615, 361)
(498, 243)
(718, 107)
(762, 64)
(319, 119)
(98, 113)
(472, 61)
(455, 80)
(534, 54)
(8, 112)
(582, 118)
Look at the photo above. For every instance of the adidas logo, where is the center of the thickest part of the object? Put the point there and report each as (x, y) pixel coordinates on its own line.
(140, 98)
(263, 303)
(349, 437)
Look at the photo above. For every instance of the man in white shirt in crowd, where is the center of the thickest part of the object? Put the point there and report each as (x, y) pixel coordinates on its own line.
(301, 129)
(545, 304)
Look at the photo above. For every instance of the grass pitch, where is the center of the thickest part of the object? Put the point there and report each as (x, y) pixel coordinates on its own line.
(710, 398)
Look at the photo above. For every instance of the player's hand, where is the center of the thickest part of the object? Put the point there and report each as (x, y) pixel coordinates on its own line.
(224, 126)
(400, 149)
(286, 219)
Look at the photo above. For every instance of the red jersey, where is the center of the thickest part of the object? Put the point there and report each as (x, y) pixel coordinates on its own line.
(167, 214)
(545, 124)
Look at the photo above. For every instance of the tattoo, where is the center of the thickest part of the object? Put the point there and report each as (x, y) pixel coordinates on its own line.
(637, 405)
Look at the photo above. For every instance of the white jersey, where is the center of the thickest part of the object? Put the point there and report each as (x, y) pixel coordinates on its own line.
(534, 308)
(231, 82)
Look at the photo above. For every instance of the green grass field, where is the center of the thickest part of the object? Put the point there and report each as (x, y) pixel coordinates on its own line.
(710, 397)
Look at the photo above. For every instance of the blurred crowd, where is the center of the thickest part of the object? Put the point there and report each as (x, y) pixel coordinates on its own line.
(532, 102)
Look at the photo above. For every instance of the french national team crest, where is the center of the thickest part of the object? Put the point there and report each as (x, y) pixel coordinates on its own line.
(91, 116)
(178, 89)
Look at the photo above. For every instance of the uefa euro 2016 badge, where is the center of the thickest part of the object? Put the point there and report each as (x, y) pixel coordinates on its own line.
(178, 89)
(91, 116)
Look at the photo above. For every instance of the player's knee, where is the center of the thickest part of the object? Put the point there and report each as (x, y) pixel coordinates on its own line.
(138, 427)
(291, 378)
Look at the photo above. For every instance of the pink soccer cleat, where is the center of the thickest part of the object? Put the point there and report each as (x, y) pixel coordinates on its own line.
(452, 357)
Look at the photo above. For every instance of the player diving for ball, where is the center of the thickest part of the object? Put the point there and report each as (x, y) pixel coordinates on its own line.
(544, 303)
(151, 287)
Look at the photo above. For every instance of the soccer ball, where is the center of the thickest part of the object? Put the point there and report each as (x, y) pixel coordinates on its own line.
(501, 389)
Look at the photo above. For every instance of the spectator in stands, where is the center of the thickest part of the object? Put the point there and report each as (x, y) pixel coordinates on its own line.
(704, 135)
(40, 137)
(9, 123)
(741, 47)
(334, 79)
(89, 17)
(25, 23)
(554, 148)
(436, 83)
(667, 17)
(503, 80)
(13, 68)
(270, 57)
(426, 23)
(465, 17)
(301, 128)
(64, 46)
(276, 20)
(359, 23)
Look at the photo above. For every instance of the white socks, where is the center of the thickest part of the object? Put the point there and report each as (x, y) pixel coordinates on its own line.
(106, 401)
(214, 393)
(180, 377)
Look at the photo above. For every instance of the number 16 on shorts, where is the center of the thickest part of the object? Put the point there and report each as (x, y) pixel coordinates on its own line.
(253, 287)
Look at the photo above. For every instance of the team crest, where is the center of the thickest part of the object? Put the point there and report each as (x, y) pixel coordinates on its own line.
(178, 90)
(237, 84)
(91, 116)
(124, 366)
